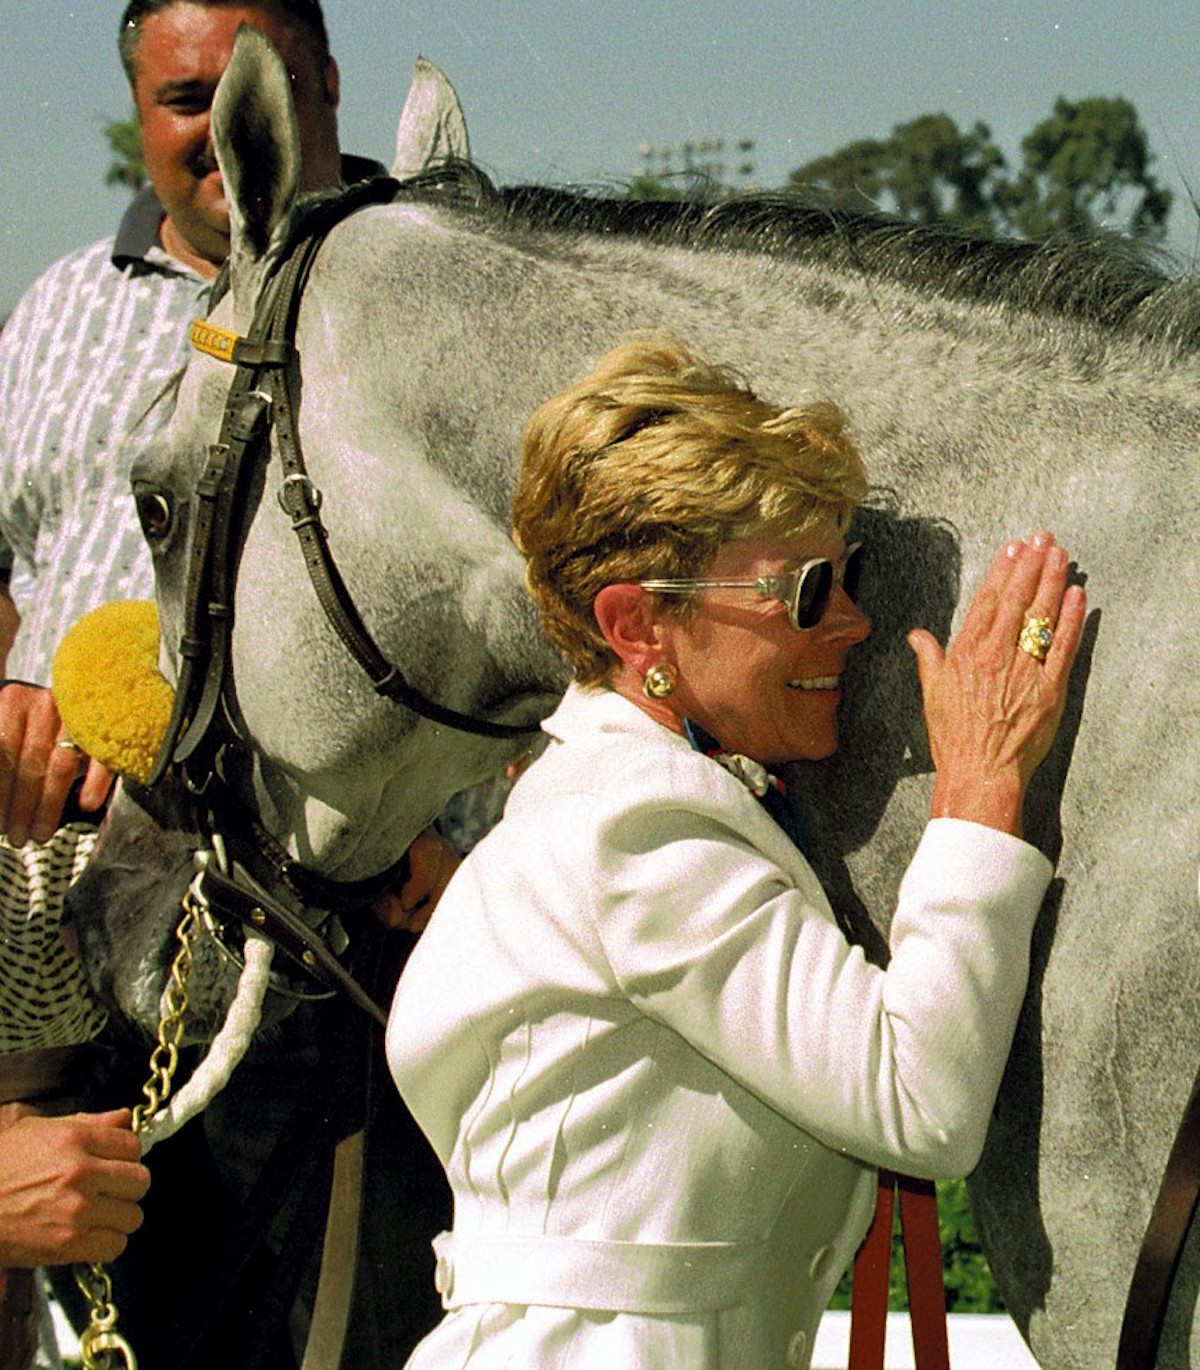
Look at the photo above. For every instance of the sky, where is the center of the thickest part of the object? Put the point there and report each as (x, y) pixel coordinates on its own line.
(569, 91)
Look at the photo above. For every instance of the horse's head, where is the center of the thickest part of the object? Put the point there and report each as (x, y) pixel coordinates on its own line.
(326, 772)
(341, 776)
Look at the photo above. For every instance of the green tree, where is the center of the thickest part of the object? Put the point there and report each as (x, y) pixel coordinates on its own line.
(1079, 167)
(1085, 167)
(966, 1276)
(124, 138)
(646, 187)
(927, 171)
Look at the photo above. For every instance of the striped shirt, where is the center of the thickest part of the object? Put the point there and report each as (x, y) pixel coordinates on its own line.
(86, 352)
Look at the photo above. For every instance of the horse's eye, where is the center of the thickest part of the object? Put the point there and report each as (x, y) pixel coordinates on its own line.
(155, 514)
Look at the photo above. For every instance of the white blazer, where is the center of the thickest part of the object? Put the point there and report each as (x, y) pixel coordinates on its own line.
(658, 1076)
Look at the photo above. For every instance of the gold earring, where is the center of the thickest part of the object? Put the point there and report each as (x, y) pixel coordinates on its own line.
(660, 681)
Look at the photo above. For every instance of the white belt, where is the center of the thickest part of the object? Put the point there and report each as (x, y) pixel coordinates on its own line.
(617, 1277)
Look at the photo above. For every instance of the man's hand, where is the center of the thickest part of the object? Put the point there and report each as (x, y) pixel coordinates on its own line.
(38, 766)
(69, 1188)
(431, 863)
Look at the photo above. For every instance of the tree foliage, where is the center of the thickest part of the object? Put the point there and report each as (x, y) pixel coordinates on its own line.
(1085, 167)
(928, 171)
(647, 187)
(124, 137)
(966, 1275)
(1081, 166)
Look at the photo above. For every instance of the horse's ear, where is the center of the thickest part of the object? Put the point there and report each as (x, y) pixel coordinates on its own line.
(432, 128)
(257, 144)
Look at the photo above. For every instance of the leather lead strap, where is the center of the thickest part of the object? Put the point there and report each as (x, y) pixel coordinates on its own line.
(289, 932)
(869, 1292)
(923, 1263)
(339, 1259)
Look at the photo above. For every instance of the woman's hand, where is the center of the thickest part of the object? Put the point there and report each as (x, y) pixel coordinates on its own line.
(991, 708)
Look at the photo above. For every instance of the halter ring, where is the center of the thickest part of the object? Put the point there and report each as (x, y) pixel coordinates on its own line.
(1035, 638)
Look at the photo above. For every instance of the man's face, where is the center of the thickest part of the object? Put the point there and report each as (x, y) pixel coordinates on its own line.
(180, 55)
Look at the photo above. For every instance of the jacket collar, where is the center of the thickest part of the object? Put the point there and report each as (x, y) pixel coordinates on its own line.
(594, 709)
(588, 708)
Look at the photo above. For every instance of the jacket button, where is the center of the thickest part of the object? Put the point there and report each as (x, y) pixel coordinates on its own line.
(443, 1277)
(796, 1349)
(819, 1264)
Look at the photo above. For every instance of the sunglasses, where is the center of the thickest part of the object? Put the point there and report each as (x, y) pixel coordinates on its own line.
(806, 591)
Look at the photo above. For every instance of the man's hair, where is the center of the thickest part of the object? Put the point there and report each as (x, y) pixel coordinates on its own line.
(306, 14)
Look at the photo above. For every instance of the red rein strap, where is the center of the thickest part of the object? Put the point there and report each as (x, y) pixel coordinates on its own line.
(923, 1263)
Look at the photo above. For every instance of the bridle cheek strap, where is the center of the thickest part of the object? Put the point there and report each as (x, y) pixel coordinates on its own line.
(261, 395)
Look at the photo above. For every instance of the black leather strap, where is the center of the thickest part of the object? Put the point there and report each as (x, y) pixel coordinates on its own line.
(1173, 1214)
(229, 900)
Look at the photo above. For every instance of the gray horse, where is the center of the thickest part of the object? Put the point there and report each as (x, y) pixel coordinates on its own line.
(995, 388)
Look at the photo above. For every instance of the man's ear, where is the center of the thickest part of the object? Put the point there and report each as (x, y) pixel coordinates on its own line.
(333, 84)
(625, 615)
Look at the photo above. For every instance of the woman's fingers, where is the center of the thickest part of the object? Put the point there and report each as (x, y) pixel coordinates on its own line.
(995, 697)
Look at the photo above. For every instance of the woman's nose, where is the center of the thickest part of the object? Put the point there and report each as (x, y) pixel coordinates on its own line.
(844, 619)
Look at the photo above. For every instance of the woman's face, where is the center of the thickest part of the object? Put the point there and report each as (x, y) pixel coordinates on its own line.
(760, 686)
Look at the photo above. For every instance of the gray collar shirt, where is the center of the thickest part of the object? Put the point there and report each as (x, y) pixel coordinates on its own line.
(89, 348)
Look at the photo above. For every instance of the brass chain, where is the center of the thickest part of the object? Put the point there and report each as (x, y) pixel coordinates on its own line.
(164, 1059)
(101, 1341)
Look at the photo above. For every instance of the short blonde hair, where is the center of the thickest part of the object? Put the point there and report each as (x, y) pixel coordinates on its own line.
(647, 466)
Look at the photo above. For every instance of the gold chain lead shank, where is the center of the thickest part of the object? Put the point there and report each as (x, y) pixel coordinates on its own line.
(101, 1341)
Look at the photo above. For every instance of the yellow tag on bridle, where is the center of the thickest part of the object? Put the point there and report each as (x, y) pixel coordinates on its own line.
(216, 342)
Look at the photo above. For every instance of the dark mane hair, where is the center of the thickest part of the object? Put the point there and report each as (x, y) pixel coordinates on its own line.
(1107, 280)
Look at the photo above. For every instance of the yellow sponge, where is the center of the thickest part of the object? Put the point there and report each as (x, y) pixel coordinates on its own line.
(112, 697)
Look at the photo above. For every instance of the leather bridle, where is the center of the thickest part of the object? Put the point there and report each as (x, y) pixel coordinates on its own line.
(262, 396)
(206, 725)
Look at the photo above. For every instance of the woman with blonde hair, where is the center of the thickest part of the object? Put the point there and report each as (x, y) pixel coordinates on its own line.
(658, 1075)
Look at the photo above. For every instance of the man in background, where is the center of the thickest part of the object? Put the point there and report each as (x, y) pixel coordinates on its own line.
(87, 352)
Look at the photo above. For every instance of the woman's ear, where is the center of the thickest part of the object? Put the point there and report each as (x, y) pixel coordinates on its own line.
(625, 614)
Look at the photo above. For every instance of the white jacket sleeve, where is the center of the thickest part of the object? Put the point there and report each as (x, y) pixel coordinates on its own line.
(900, 1067)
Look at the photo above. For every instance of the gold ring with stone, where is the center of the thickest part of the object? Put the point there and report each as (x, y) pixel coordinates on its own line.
(1035, 638)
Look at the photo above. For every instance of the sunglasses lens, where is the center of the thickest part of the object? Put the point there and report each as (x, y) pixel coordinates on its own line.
(852, 570)
(812, 594)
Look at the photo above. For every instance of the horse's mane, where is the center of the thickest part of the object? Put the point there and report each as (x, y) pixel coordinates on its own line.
(1105, 279)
